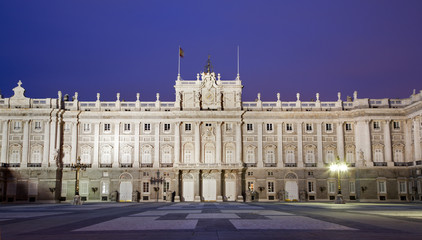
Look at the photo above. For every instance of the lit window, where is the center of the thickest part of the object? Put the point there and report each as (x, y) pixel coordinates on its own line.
(381, 187)
(105, 188)
(331, 187)
(250, 186)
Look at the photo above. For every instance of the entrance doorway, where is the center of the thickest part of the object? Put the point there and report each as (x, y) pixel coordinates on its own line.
(209, 189)
(292, 191)
(125, 191)
(231, 190)
(188, 188)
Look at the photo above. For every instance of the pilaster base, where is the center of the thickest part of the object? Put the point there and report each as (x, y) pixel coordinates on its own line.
(197, 199)
(177, 199)
(219, 198)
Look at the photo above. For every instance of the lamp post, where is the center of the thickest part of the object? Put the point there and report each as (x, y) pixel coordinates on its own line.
(155, 181)
(338, 167)
(77, 167)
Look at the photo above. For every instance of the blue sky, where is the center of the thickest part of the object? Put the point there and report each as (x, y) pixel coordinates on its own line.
(372, 46)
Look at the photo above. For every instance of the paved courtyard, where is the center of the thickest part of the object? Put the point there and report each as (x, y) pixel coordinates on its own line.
(211, 221)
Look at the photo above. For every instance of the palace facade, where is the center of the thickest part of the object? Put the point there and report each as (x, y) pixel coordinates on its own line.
(210, 145)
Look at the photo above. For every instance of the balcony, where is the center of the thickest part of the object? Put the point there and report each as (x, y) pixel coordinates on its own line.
(400, 164)
(166, 165)
(290, 165)
(106, 165)
(126, 165)
(34, 165)
(10, 164)
(270, 164)
(419, 162)
(250, 164)
(352, 165)
(146, 165)
(380, 164)
(310, 165)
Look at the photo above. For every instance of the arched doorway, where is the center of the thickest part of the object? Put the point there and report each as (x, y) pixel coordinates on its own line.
(230, 187)
(209, 187)
(291, 188)
(126, 187)
(188, 188)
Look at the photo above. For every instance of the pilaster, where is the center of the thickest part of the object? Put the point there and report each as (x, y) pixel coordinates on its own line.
(319, 145)
(416, 139)
(280, 143)
(156, 163)
(176, 143)
(116, 145)
(74, 150)
(260, 155)
(46, 148)
(136, 147)
(340, 140)
(5, 142)
(387, 143)
(25, 144)
(218, 142)
(299, 145)
(197, 142)
(95, 162)
(239, 142)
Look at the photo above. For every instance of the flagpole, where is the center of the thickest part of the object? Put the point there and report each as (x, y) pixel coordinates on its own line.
(238, 73)
(178, 64)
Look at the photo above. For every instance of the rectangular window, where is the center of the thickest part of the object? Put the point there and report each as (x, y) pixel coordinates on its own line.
(328, 127)
(270, 174)
(331, 187)
(376, 125)
(269, 127)
(188, 127)
(145, 174)
(17, 126)
(309, 127)
(37, 125)
(250, 186)
(352, 187)
(396, 125)
(270, 187)
(381, 187)
(127, 127)
(229, 127)
(166, 187)
(311, 187)
(107, 127)
(105, 188)
(402, 187)
(84, 188)
(166, 127)
(145, 187)
(86, 127)
(249, 127)
(147, 127)
(348, 127)
(250, 173)
(33, 188)
(289, 127)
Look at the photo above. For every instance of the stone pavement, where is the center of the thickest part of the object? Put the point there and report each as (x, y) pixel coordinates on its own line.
(211, 221)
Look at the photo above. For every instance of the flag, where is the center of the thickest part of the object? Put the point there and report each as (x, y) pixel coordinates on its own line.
(181, 52)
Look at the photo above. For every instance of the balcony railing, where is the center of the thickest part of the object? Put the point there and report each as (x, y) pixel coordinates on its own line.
(419, 162)
(290, 165)
(166, 164)
(10, 164)
(380, 164)
(126, 165)
(400, 164)
(310, 164)
(146, 165)
(250, 164)
(270, 165)
(102, 165)
(34, 165)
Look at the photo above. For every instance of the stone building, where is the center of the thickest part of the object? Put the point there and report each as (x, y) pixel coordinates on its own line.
(210, 145)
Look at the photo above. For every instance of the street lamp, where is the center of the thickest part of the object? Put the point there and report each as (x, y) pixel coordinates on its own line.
(77, 167)
(155, 181)
(338, 167)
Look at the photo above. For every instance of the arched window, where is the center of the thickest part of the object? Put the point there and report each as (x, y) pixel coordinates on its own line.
(106, 155)
(290, 156)
(86, 155)
(127, 155)
(36, 154)
(166, 155)
(146, 157)
(250, 155)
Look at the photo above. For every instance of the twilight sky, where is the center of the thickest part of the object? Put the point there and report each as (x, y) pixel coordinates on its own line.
(372, 46)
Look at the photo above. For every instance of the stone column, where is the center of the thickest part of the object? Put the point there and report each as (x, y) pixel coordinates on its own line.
(280, 144)
(25, 144)
(387, 143)
(74, 150)
(408, 140)
(239, 143)
(156, 163)
(116, 145)
(260, 153)
(416, 139)
(96, 145)
(136, 147)
(218, 143)
(299, 145)
(54, 138)
(176, 185)
(368, 143)
(220, 185)
(197, 142)
(46, 148)
(319, 145)
(5, 142)
(340, 141)
(197, 185)
(239, 188)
